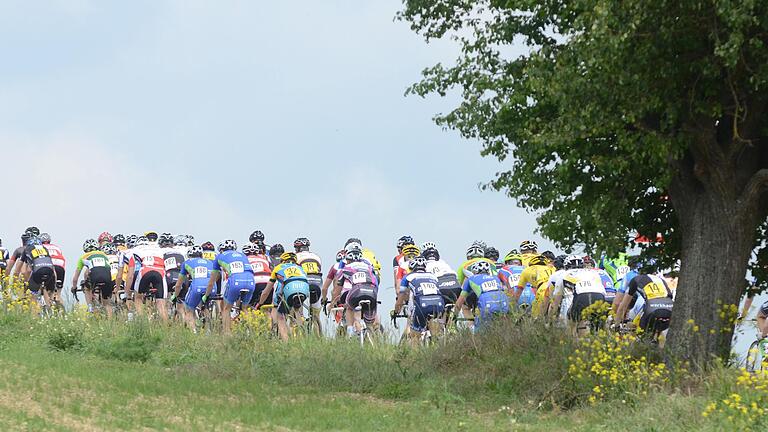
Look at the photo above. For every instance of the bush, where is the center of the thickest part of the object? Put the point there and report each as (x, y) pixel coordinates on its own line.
(137, 345)
(64, 335)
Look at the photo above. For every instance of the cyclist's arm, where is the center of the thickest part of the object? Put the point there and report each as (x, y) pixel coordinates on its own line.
(402, 295)
(267, 292)
(211, 281)
(621, 312)
(179, 283)
(336, 294)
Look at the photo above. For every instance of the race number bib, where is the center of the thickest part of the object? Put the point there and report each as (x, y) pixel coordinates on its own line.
(428, 288)
(113, 267)
(621, 272)
(98, 262)
(654, 290)
(39, 251)
(310, 267)
(236, 267)
(257, 267)
(584, 285)
(292, 272)
(170, 263)
(201, 272)
(489, 286)
(359, 278)
(515, 278)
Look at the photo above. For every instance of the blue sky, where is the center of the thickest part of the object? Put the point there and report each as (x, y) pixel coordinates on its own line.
(217, 118)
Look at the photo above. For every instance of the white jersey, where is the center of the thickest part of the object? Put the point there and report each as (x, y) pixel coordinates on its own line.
(439, 268)
(183, 250)
(555, 278)
(309, 262)
(579, 281)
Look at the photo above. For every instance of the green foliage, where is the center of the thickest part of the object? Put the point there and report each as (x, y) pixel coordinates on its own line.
(137, 343)
(613, 102)
(64, 335)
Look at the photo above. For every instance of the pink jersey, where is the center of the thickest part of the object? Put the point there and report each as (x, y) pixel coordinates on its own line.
(56, 256)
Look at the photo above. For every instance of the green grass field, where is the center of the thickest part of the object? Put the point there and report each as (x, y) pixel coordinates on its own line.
(96, 375)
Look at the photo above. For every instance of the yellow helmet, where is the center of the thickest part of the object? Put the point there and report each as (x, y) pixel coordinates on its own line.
(411, 251)
(288, 257)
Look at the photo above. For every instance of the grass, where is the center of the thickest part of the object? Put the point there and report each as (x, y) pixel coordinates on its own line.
(85, 374)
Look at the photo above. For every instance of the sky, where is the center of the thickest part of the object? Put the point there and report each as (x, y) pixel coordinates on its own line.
(218, 118)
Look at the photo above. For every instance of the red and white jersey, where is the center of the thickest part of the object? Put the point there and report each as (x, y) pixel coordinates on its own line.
(57, 257)
(148, 258)
(261, 269)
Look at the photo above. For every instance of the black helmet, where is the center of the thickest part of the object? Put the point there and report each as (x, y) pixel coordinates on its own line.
(353, 240)
(256, 236)
(119, 239)
(25, 238)
(301, 244)
(549, 255)
(208, 246)
(276, 250)
(492, 253)
(431, 254)
(35, 231)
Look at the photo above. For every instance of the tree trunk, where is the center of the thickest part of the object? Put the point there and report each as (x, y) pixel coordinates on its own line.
(717, 239)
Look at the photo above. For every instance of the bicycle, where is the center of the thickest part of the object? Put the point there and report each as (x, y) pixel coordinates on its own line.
(364, 334)
(237, 307)
(338, 316)
(435, 325)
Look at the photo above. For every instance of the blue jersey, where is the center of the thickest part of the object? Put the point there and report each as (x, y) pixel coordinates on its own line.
(198, 271)
(420, 284)
(624, 287)
(232, 263)
(607, 281)
(481, 283)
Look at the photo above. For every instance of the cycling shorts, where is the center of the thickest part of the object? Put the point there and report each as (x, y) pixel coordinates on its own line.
(101, 278)
(360, 293)
(42, 277)
(489, 304)
(315, 283)
(59, 276)
(258, 290)
(581, 302)
(171, 277)
(237, 283)
(291, 295)
(471, 301)
(424, 308)
(194, 296)
(655, 320)
(152, 280)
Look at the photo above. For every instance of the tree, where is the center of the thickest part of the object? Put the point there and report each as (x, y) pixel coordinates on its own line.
(646, 116)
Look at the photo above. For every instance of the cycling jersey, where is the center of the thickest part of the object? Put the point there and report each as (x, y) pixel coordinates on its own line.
(526, 258)
(447, 281)
(99, 271)
(209, 255)
(3, 258)
(491, 298)
(42, 274)
(355, 273)
(113, 265)
(291, 287)
(149, 267)
(535, 278)
(57, 257)
(260, 267)
(237, 276)
(583, 287)
(198, 271)
(310, 262)
(360, 282)
(174, 262)
(617, 268)
(465, 271)
(427, 302)
(509, 275)
(610, 290)
(658, 301)
(623, 285)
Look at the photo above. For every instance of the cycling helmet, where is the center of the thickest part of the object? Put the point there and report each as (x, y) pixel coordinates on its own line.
(481, 266)
(109, 249)
(207, 246)
(340, 255)
(142, 240)
(428, 245)
(411, 251)
(256, 236)
(180, 240)
(25, 238)
(301, 244)
(90, 245)
(549, 255)
(559, 262)
(431, 254)
(353, 240)
(276, 250)
(131, 240)
(491, 253)
(537, 260)
(34, 231)
(195, 252)
(588, 261)
(528, 245)
(151, 235)
(119, 239)
(45, 238)
(250, 249)
(165, 239)
(417, 264)
(229, 245)
(573, 262)
(354, 247)
(475, 251)
(479, 243)
(190, 240)
(404, 240)
(513, 256)
(353, 254)
(288, 257)
(105, 237)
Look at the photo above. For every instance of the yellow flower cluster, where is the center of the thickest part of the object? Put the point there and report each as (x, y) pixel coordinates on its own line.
(597, 313)
(603, 364)
(745, 408)
(15, 297)
(728, 314)
(254, 322)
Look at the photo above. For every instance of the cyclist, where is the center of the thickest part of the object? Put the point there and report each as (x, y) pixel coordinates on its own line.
(332, 272)
(197, 270)
(409, 252)
(447, 281)
(257, 256)
(492, 254)
(37, 264)
(119, 242)
(509, 275)
(357, 279)
(256, 237)
(147, 268)
(123, 257)
(98, 274)
(422, 287)
(633, 263)
(528, 249)
(104, 238)
(657, 299)
(110, 250)
(399, 261)
(16, 255)
(475, 252)
(310, 262)
(486, 286)
(583, 286)
(237, 272)
(173, 258)
(762, 320)
(57, 257)
(559, 264)
(3, 257)
(275, 252)
(289, 284)
(537, 275)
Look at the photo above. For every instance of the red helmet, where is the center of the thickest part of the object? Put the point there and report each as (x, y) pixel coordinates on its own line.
(588, 261)
(105, 237)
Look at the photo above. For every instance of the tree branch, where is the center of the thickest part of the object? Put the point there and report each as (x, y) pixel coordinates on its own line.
(755, 187)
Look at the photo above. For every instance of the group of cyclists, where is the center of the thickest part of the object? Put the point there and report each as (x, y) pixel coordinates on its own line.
(168, 269)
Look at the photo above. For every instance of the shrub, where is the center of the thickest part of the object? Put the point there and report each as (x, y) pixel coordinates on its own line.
(64, 334)
(136, 346)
